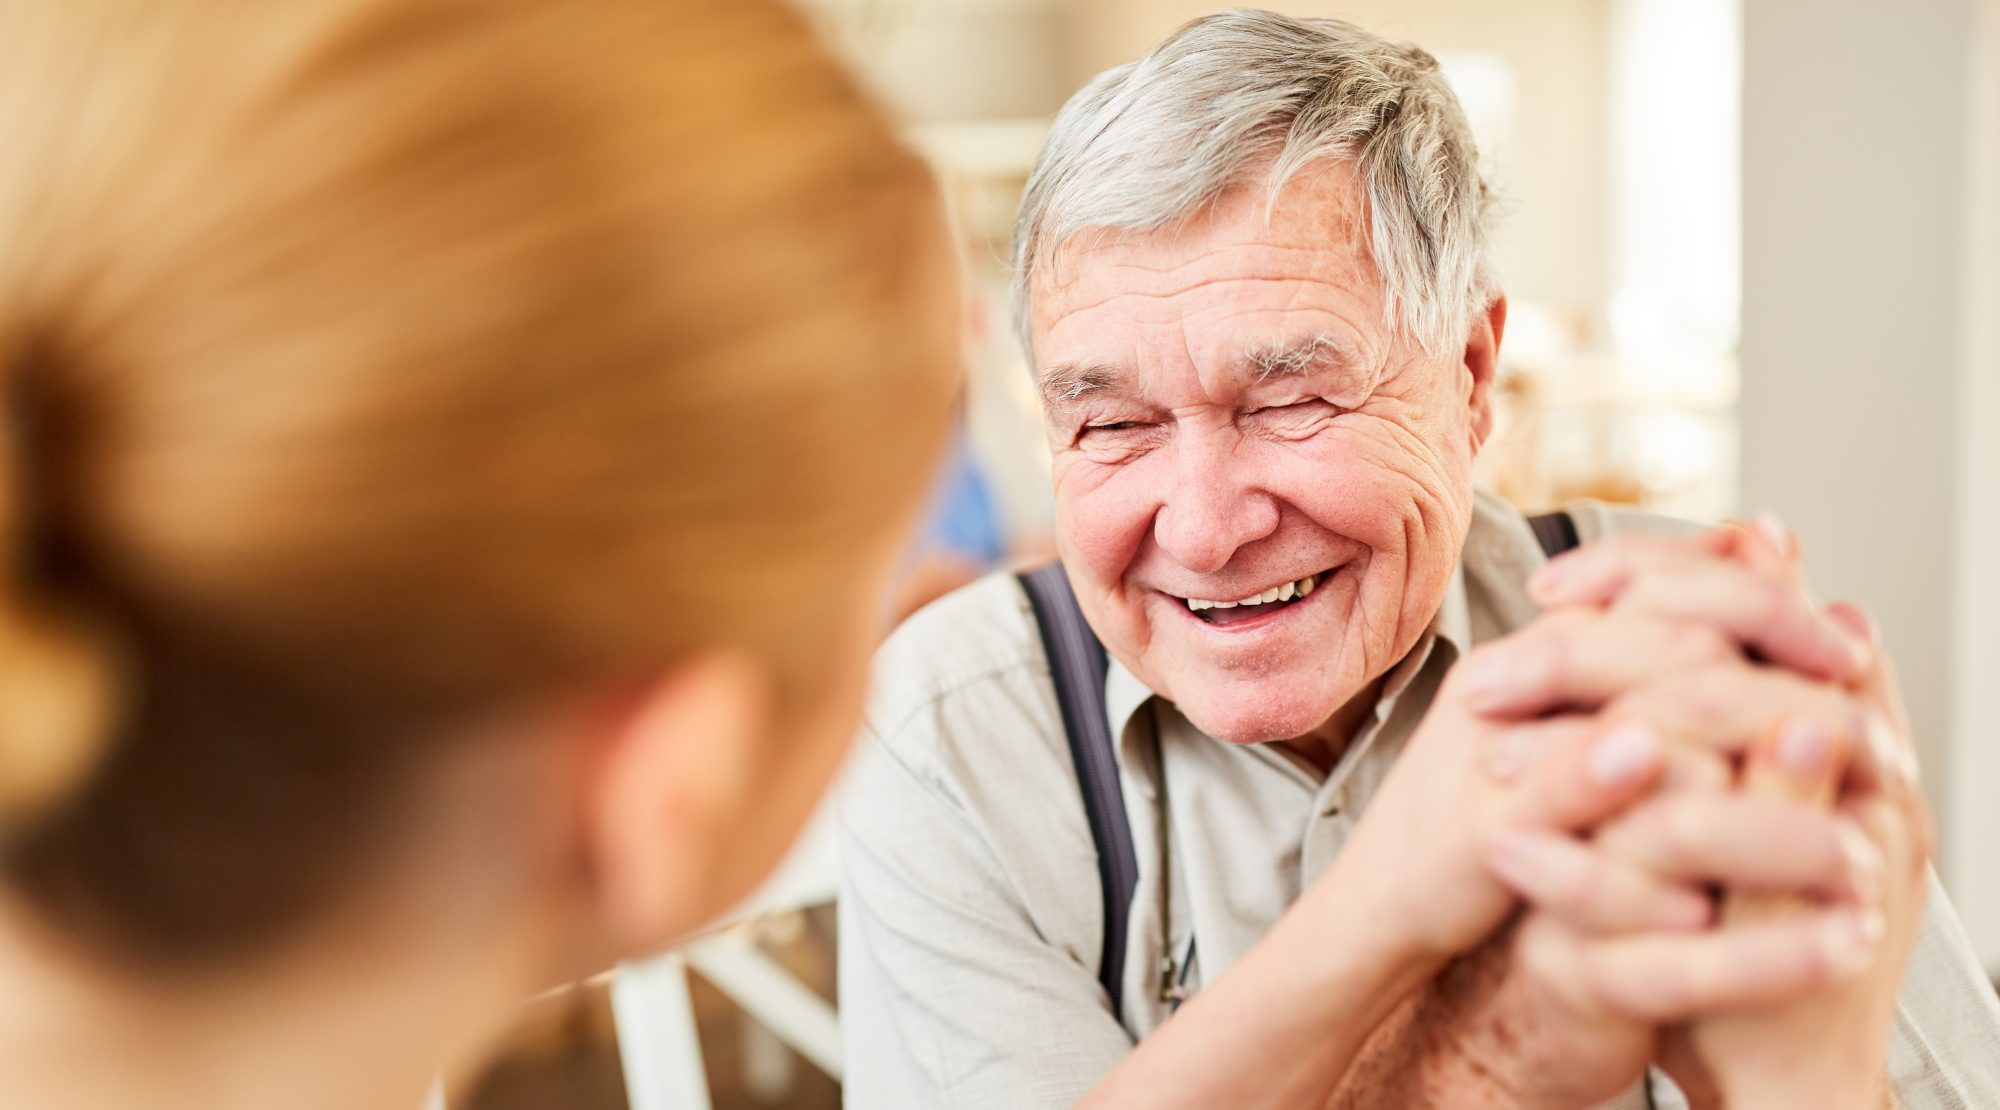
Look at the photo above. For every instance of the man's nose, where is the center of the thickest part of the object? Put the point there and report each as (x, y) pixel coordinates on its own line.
(1211, 509)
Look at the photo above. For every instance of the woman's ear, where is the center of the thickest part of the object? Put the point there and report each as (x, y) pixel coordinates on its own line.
(672, 784)
(1482, 364)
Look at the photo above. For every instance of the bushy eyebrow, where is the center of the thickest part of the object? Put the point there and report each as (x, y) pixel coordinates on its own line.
(1072, 381)
(1068, 382)
(1319, 352)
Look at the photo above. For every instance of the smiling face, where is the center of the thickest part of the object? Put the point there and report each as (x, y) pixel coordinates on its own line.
(1233, 419)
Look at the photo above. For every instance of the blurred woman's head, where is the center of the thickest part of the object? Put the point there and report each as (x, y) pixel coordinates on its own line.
(451, 438)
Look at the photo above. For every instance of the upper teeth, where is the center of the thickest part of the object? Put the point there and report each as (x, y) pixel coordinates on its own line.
(1286, 592)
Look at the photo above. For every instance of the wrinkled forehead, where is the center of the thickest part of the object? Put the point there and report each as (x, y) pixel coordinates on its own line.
(1249, 270)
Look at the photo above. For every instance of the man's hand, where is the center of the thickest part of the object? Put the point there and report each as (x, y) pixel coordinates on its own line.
(1607, 957)
(1634, 611)
(1822, 1047)
(1759, 968)
(1651, 633)
(1417, 856)
(1489, 763)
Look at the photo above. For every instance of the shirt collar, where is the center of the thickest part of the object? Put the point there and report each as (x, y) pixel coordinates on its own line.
(1453, 622)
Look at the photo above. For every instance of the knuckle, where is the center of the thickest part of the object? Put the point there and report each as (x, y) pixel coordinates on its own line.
(1705, 697)
(1559, 659)
(1488, 653)
(1858, 861)
(1549, 650)
(1589, 976)
(1894, 752)
(1699, 770)
(1555, 631)
(1485, 658)
(1670, 842)
(1679, 834)
(1593, 899)
(1812, 964)
(1659, 907)
(1617, 839)
(1833, 857)
(1692, 643)
(1677, 994)
(1697, 985)
(1473, 659)
(1800, 834)
(1847, 719)
(1923, 837)
(1771, 603)
(1568, 621)
(1567, 890)
(1548, 958)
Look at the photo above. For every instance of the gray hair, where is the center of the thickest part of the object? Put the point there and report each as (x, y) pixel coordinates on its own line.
(1230, 96)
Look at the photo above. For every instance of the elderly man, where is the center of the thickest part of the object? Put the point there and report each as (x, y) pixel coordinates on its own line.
(1417, 817)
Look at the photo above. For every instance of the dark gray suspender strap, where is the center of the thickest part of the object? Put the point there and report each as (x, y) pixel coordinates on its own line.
(1078, 664)
(1555, 531)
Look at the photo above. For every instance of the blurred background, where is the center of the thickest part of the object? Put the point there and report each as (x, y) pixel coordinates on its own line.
(1752, 250)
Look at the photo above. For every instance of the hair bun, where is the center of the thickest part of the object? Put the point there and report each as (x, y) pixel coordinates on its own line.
(56, 708)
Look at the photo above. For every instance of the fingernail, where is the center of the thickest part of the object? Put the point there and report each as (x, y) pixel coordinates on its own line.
(1804, 749)
(1624, 755)
(1851, 938)
(1775, 533)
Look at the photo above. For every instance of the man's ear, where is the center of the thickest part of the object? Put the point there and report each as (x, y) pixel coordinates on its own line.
(1482, 364)
(673, 782)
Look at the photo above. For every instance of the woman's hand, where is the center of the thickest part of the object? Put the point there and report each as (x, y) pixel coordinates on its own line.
(1826, 1048)
(1821, 913)
(1618, 941)
(1573, 717)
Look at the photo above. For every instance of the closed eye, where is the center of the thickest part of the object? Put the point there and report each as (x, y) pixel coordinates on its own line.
(1309, 404)
(1296, 419)
(1310, 408)
(1112, 440)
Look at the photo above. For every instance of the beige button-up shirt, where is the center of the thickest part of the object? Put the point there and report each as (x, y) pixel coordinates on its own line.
(970, 912)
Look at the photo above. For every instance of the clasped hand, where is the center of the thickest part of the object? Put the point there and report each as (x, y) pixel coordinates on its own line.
(1695, 836)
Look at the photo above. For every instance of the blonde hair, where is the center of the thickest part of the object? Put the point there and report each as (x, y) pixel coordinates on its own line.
(372, 365)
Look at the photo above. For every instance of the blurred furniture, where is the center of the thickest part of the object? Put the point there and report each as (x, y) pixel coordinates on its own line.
(658, 1042)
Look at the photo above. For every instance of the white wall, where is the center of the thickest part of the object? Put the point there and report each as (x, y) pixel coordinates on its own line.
(1857, 348)
(1973, 763)
(1675, 194)
(1551, 246)
(933, 60)
(938, 60)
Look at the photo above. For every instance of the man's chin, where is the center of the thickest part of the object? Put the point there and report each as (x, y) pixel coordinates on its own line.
(1248, 719)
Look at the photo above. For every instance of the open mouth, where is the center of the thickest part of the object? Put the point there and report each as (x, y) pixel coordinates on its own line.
(1256, 605)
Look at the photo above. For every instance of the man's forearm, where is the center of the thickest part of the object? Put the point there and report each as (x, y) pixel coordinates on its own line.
(1282, 1025)
(1423, 1056)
